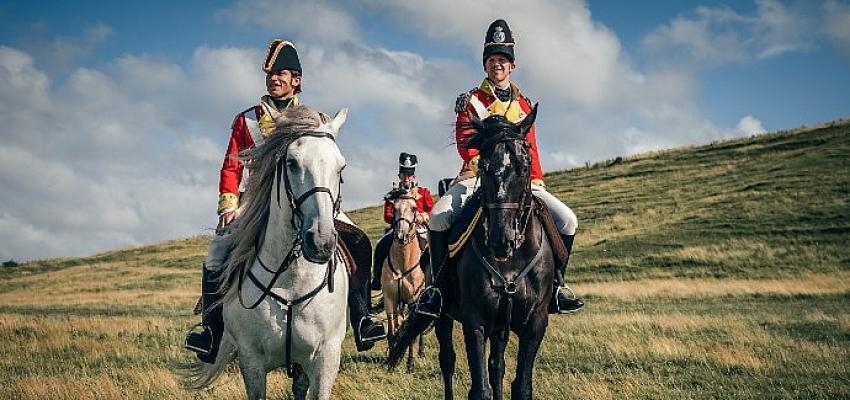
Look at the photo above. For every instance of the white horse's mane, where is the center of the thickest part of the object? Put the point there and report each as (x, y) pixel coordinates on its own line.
(263, 162)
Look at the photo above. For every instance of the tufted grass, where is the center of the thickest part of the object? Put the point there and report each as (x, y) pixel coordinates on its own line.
(716, 271)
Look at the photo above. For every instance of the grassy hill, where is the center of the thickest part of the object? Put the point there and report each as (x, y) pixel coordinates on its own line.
(714, 271)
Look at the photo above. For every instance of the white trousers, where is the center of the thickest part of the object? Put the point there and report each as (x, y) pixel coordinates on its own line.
(447, 210)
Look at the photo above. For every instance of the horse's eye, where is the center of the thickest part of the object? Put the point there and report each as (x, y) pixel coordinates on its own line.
(291, 164)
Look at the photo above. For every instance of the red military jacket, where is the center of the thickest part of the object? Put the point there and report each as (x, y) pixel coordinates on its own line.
(482, 103)
(424, 204)
(245, 132)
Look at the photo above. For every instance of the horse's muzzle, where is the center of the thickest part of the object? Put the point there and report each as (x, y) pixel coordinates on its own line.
(318, 248)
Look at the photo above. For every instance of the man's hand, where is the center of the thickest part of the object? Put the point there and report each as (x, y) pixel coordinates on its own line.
(224, 220)
(539, 183)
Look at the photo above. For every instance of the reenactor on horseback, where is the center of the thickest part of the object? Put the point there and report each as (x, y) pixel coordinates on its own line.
(250, 128)
(495, 95)
(424, 203)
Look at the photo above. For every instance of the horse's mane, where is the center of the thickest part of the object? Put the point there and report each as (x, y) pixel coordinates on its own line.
(263, 161)
(489, 132)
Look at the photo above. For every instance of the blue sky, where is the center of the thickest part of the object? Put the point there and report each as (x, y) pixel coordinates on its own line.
(115, 115)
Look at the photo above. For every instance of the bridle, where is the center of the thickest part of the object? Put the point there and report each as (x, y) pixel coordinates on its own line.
(524, 208)
(294, 253)
(411, 222)
(510, 284)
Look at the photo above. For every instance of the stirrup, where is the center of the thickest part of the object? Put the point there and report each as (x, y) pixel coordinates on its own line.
(195, 338)
(418, 309)
(572, 296)
(373, 338)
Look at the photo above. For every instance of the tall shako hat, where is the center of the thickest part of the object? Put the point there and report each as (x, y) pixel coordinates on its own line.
(407, 163)
(499, 39)
(281, 55)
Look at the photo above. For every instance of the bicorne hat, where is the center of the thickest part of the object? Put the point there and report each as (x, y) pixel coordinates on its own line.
(407, 163)
(499, 39)
(281, 55)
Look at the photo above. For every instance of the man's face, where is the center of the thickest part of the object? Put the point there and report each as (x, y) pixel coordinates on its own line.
(406, 179)
(281, 84)
(498, 67)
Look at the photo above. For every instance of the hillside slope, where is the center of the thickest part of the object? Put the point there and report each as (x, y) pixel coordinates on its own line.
(715, 271)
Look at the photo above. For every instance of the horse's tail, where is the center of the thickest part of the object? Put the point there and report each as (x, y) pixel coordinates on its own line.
(413, 326)
(198, 374)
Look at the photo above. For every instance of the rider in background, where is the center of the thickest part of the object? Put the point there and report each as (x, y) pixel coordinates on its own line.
(495, 95)
(424, 203)
(250, 128)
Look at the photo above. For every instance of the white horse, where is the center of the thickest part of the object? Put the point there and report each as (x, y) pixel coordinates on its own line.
(285, 298)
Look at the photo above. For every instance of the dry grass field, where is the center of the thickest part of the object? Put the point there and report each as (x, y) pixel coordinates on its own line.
(716, 271)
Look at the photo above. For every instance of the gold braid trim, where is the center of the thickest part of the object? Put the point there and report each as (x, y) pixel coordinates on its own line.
(227, 202)
(277, 45)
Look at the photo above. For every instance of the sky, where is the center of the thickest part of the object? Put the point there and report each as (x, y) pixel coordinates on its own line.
(114, 116)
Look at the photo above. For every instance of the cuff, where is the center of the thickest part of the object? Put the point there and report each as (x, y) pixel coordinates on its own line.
(473, 165)
(227, 202)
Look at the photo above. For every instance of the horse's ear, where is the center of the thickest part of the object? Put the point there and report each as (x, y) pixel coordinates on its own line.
(526, 123)
(339, 120)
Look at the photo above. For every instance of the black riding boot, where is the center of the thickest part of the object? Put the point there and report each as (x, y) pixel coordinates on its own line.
(561, 303)
(381, 250)
(205, 337)
(430, 303)
(367, 329)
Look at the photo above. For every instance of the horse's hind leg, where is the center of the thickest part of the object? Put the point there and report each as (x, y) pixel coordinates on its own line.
(443, 330)
(410, 358)
(254, 376)
(300, 383)
(496, 362)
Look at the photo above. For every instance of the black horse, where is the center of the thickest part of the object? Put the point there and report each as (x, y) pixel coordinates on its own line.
(502, 281)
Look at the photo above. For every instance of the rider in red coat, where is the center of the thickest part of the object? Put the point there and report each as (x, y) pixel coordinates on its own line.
(424, 203)
(251, 128)
(496, 95)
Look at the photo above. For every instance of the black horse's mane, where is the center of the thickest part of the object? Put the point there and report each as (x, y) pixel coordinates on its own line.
(489, 132)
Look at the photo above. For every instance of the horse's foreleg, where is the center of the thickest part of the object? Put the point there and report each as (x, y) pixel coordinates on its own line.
(421, 346)
(254, 376)
(529, 344)
(300, 383)
(443, 330)
(323, 370)
(475, 340)
(496, 362)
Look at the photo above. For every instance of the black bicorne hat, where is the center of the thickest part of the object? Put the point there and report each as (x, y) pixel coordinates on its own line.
(499, 39)
(407, 163)
(281, 55)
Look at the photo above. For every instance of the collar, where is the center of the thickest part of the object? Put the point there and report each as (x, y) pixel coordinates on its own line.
(488, 88)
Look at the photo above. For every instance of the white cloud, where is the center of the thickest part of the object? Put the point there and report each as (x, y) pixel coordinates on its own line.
(750, 125)
(319, 20)
(837, 25)
(129, 152)
(719, 35)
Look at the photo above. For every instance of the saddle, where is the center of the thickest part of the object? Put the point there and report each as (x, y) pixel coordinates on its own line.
(356, 251)
(463, 228)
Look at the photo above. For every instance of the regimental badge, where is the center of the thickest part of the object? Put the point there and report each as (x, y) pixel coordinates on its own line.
(498, 35)
(407, 162)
